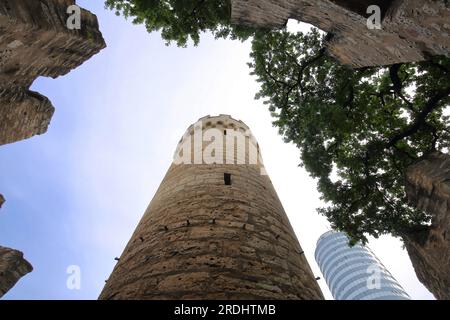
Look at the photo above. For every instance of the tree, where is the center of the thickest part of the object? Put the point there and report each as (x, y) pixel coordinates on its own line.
(358, 130)
(182, 20)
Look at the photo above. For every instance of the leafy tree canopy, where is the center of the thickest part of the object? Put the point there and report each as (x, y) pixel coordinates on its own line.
(182, 20)
(357, 130)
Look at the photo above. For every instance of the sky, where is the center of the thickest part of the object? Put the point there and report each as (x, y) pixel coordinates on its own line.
(75, 194)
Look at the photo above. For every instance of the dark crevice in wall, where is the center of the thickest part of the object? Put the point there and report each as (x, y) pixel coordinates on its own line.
(360, 6)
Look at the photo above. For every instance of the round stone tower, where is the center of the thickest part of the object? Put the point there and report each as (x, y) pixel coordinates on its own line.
(215, 228)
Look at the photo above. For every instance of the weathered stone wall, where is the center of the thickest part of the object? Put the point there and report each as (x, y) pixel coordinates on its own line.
(12, 267)
(35, 41)
(411, 29)
(202, 239)
(428, 188)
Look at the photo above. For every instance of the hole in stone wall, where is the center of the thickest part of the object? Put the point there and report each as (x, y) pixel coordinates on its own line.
(224, 132)
(296, 26)
(227, 179)
(360, 6)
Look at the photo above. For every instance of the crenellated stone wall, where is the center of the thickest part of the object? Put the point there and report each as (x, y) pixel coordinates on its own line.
(411, 29)
(203, 239)
(428, 188)
(35, 41)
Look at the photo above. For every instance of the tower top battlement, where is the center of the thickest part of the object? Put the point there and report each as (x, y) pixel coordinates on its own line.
(218, 140)
(222, 121)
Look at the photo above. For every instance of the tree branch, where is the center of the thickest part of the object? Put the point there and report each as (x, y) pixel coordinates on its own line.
(306, 64)
(420, 119)
(398, 85)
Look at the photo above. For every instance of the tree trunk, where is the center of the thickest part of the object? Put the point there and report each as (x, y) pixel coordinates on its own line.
(428, 188)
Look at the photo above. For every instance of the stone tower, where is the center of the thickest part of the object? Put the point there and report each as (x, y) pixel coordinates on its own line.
(215, 228)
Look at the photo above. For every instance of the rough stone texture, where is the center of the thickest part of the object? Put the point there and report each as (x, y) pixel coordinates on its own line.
(202, 239)
(411, 29)
(12, 267)
(428, 188)
(35, 41)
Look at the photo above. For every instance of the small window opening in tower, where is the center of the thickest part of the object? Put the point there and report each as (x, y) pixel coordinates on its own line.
(227, 179)
(224, 132)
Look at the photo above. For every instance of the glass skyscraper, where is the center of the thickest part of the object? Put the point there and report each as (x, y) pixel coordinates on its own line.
(354, 273)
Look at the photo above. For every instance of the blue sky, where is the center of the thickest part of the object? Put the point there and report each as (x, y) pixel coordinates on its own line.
(75, 194)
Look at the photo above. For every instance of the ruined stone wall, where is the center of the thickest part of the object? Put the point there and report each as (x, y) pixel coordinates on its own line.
(428, 188)
(202, 239)
(35, 41)
(411, 29)
(12, 267)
